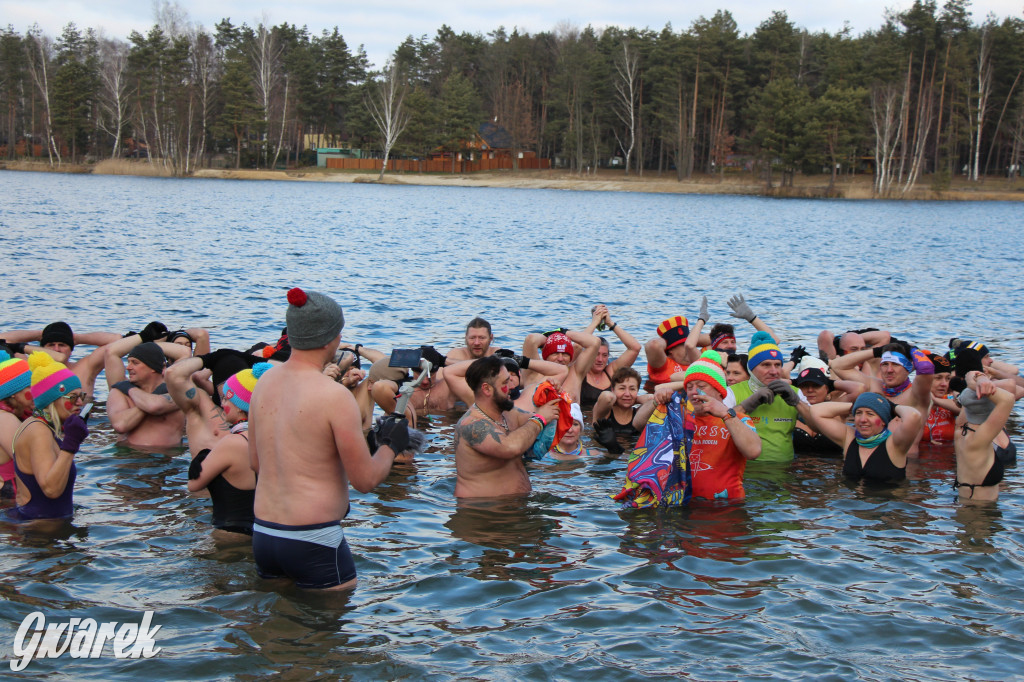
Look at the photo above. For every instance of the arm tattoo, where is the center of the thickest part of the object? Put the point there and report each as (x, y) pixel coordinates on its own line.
(190, 393)
(476, 432)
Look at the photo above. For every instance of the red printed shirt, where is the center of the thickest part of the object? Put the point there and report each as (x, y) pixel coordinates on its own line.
(716, 463)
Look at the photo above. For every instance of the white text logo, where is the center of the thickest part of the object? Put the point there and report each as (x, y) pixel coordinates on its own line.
(81, 638)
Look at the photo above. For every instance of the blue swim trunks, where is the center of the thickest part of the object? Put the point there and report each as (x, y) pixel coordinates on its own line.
(314, 556)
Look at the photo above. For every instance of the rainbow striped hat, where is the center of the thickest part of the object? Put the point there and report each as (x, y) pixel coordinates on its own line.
(15, 376)
(708, 368)
(50, 379)
(762, 348)
(239, 387)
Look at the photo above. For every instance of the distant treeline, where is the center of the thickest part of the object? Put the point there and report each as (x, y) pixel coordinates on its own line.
(929, 92)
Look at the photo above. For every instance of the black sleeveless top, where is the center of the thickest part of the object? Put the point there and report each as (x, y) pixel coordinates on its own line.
(877, 468)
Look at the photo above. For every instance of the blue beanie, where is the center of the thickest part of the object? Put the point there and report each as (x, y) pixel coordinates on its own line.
(876, 403)
(762, 347)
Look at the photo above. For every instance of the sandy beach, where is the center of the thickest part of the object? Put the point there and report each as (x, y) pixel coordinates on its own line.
(739, 183)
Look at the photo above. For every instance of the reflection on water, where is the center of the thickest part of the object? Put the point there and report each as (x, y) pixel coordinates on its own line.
(810, 576)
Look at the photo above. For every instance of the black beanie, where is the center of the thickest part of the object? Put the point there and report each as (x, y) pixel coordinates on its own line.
(57, 332)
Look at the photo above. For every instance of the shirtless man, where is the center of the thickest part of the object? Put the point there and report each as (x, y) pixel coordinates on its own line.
(521, 393)
(59, 341)
(431, 396)
(139, 408)
(306, 444)
(492, 436)
(205, 421)
(478, 342)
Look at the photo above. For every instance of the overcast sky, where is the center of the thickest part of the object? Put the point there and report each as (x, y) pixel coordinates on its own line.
(381, 26)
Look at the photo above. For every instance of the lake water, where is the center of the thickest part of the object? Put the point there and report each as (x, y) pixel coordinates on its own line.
(809, 577)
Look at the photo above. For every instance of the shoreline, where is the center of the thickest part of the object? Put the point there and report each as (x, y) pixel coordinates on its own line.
(739, 184)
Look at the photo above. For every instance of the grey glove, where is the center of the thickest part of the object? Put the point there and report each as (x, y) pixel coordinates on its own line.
(703, 314)
(786, 391)
(740, 308)
(762, 396)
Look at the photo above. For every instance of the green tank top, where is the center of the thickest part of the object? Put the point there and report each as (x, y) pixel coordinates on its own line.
(774, 424)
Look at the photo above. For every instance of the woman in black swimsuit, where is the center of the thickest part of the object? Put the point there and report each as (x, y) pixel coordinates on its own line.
(876, 445)
(986, 407)
(226, 470)
(599, 378)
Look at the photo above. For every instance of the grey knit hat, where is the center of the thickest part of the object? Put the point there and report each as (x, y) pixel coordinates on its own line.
(313, 319)
(977, 409)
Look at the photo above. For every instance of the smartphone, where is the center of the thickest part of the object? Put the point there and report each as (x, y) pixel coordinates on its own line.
(84, 414)
(406, 357)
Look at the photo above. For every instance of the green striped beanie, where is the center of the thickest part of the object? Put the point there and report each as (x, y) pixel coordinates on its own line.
(708, 368)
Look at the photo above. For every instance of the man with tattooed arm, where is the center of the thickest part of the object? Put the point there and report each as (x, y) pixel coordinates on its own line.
(492, 436)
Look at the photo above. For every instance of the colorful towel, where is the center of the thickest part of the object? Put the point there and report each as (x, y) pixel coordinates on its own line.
(658, 473)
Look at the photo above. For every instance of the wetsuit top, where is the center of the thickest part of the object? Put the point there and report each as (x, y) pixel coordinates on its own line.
(774, 424)
(939, 426)
(819, 445)
(590, 393)
(878, 466)
(618, 428)
(41, 506)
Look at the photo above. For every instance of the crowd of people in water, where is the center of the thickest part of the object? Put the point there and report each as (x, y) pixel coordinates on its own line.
(277, 432)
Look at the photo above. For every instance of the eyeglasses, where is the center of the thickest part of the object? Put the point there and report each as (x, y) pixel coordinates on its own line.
(75, 397)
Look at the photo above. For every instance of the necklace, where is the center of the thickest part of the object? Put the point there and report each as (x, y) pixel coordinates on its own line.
(503, 424)
(572, 453)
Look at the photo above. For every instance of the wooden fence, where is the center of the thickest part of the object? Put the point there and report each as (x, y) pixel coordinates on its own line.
(409, 166)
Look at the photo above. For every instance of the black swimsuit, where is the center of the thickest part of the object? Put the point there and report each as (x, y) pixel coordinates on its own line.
(232, 507)
(590, 393)
(878, 466)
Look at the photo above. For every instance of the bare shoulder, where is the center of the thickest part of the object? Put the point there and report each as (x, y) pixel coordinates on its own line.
(460, 353)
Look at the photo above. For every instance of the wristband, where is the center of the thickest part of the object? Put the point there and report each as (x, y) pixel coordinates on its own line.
(540, 420)
(614, 325)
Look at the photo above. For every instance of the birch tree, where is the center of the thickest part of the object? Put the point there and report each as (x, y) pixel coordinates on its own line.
(113, 91)
(627, 70)
(385, 100)
(980, 108)
(39, 49)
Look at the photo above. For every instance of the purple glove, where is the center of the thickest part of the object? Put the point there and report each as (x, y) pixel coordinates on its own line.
(75, 432)
(922, 365)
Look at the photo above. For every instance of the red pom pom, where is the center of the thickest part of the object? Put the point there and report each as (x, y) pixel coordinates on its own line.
(297, 297)
(267, 351)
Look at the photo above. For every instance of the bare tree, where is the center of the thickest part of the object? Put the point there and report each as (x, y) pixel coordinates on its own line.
(627, 69)
(386, 101)
(114, 91)
(204, 74)
(984, 91)
(514, 108)
(886, 103)
(39, 50)
(266, 61)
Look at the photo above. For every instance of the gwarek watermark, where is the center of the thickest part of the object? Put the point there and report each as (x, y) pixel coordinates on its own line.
(82, 638)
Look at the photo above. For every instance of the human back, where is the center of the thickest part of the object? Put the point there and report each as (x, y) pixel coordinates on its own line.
(297, 420)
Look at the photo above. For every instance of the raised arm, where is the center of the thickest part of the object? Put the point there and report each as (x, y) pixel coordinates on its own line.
(826, 420)
(588, 353)
(181, 387)
(905, 433)
(742, 310)
(633, 346)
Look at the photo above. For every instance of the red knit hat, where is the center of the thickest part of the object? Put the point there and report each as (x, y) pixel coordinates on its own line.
(557, 343)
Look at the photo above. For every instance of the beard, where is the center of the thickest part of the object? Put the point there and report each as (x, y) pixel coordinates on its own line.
(504, 403)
